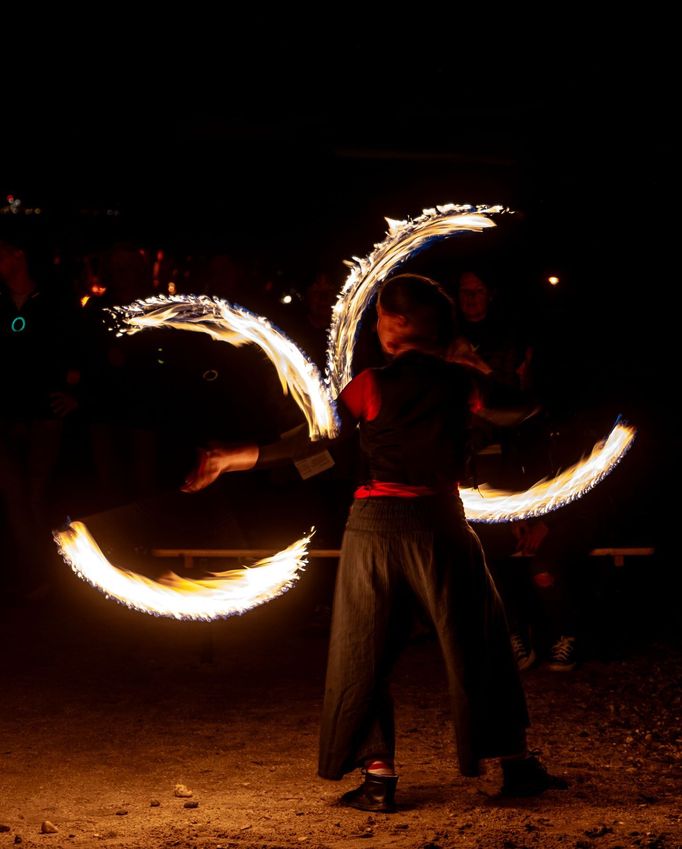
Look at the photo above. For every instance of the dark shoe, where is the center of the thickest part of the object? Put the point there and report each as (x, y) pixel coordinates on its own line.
(528, 777)
(563, 657)
(524, 653)
(376, 793)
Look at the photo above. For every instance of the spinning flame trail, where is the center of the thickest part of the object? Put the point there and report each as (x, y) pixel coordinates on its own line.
(492, 505)
(220, 595)
(237, 326)
(404, 239)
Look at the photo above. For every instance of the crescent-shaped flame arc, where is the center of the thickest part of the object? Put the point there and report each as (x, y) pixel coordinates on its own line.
(221, 595)
(238, 326)
(486, 504)
(403, 240)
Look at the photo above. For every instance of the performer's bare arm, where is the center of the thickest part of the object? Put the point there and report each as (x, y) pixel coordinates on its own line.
(220, 458)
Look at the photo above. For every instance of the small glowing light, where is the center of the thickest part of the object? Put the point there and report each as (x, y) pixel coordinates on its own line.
(286, 299)
(171, 288)
(18, 324)
(553, 281)
(84, 300)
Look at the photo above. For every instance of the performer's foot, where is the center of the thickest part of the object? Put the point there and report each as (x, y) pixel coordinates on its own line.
(528, 777)
(376, 794)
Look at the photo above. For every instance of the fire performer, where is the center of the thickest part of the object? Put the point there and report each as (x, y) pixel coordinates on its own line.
(407, 542)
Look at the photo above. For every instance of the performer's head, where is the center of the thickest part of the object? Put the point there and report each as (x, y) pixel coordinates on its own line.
(414, 312)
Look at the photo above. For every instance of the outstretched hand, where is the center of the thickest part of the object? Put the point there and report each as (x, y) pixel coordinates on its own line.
(214, 461)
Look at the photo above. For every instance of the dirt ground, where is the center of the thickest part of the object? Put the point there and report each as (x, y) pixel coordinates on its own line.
(103, 711)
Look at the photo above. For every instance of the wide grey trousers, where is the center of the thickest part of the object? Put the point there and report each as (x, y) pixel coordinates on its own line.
(398, 552)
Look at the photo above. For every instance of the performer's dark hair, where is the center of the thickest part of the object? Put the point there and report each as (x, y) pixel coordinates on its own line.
(425, 304)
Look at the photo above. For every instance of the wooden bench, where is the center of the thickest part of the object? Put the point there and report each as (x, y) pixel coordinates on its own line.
(189, 555)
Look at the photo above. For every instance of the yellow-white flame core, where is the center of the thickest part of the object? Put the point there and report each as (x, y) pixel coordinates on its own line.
(221, 595)
(486, 504)
(404, 239)
(237, 326)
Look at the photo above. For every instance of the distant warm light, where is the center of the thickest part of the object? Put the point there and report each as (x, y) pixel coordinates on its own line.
(171, 287)
(96, 289)
(553, 281)
(286, 299)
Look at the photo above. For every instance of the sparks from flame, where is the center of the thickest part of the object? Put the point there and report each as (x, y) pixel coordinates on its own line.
(221, 595)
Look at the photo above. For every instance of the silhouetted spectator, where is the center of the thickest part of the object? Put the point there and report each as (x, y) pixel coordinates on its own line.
(122, 382)
(41, 369)
(513, 458)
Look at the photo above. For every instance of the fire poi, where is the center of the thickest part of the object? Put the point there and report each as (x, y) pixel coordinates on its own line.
(224, 594)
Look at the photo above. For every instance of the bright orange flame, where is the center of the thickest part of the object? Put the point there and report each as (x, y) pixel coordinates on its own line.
(486, 504)
(404, 239)
(218, 596)
(237, 326)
